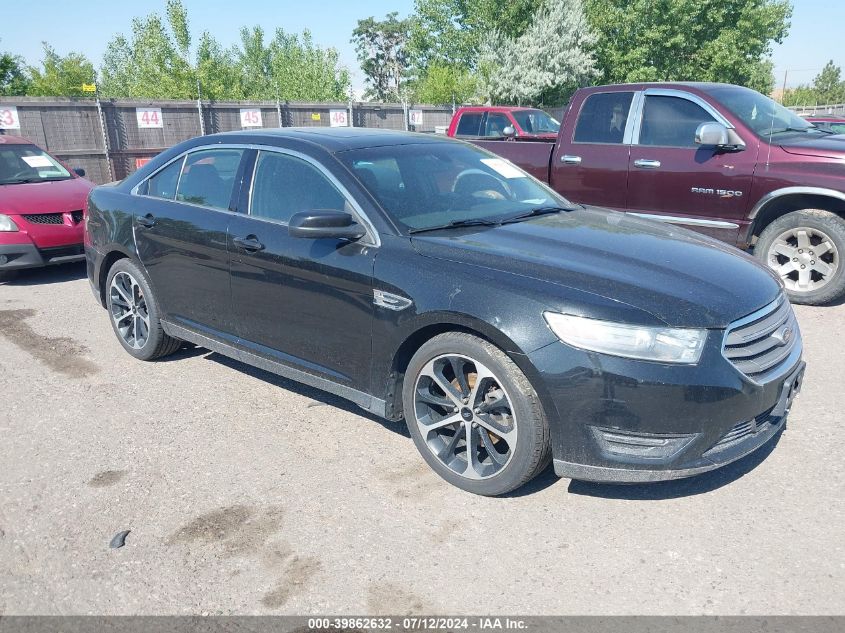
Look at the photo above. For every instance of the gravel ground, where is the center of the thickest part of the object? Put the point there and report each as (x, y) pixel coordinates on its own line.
(247, 493)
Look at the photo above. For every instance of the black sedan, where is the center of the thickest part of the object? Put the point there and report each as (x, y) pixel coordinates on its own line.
(426, 279)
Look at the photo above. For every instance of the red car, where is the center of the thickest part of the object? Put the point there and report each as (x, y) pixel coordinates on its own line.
(827, 122)
(492, 121)
(41, 203)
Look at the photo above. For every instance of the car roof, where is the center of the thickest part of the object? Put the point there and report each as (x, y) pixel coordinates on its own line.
(335, 139)
(494, 108)
(8, 139)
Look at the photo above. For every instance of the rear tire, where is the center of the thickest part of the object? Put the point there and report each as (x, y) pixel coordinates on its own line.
(474, 416)
(134, 313)
(806, 249)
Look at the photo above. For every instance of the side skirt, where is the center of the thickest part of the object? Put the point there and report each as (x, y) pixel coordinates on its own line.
(364, 400)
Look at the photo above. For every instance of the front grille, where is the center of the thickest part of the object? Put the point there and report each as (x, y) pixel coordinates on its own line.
(743, 430)
(760, 343)
(45, 218)
(77, 216)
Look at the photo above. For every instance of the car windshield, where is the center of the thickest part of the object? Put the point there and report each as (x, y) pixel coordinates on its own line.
(28, 163)
(760, 113)
(429, 185)
(536, 122)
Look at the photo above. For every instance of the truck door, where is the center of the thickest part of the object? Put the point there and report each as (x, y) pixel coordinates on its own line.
(703, 188)
(590, 161)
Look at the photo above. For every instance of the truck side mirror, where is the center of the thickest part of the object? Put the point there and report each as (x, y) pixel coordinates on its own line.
(712, 134)
(509, 131)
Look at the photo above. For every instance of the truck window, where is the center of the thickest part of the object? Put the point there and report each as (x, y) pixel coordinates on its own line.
(496, 124)
(469, 124)
(671, 121)
(603, 118)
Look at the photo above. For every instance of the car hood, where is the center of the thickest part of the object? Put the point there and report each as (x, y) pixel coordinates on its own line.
(678, 277)
(831, 146)
(58, 196)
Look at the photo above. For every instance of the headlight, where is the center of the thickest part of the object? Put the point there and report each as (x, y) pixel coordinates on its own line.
(6, 224)
(665, 345)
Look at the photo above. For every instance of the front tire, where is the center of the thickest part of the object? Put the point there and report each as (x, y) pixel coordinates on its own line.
(805, 248)
(134, 313)
(474, 416)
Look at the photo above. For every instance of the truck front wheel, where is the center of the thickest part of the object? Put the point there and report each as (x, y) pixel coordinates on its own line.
(805, 248)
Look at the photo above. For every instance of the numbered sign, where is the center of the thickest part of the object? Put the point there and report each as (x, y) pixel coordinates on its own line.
(9, 118)
(339, 118)
(251, 117)
(149, 117)
(415, 117)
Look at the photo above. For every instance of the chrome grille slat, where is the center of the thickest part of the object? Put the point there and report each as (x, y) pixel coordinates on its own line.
(755, 345)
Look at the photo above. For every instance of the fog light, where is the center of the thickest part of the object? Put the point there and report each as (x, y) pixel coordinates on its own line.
(3, 260)
(643, 446)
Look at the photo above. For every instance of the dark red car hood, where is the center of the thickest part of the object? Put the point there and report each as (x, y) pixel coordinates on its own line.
(58, 196)
(831, 146)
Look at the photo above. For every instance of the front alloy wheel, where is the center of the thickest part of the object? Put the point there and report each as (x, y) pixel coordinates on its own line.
(465, 416)
(806, 259)
(129, 310)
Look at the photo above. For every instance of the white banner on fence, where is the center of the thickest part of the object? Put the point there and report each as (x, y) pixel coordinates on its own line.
(9, 118)
(415, 117)
(339, 118)
(251, 117)
(149, 117)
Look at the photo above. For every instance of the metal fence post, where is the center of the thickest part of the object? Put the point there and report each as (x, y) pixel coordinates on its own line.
(351, 117)
(405, 114)
(105, 136)
(279, 111)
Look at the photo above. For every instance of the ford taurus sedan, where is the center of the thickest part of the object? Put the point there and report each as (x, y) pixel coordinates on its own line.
(426, 279)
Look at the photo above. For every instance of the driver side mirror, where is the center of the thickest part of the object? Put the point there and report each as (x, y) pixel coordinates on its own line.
(509, 131)
(325, 223)
(712, 134)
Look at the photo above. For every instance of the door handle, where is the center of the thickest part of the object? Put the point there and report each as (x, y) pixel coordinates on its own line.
(570, 160)
(645, 163)
(147, 221)
(249, 243)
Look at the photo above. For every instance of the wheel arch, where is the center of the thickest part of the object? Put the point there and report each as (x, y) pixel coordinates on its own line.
(440, 324)
(109, 259)
(783, 201)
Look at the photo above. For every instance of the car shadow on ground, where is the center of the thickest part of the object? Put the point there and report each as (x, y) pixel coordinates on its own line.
(320, 397)
(60, 273)
(700, 484)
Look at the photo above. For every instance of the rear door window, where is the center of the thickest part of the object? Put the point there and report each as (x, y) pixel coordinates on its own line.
(671, 121)
(603, 118)
(469, 124)
(163, 184)
(208, 177)
(496, 124)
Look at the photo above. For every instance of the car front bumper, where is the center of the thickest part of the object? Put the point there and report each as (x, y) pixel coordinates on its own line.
(28, 255)
(625, 421)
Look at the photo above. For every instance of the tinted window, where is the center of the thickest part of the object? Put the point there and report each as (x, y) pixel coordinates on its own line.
(163, 184)
(603, 118)
(671, 122)
(496, 124)
(420, 185)
(208, 177)
(536, 122)
(469, 124)
(838, 128)
(285, 185)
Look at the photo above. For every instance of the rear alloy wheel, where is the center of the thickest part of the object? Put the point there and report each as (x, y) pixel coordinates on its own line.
(474, 416)
(805, 249)
(134, 313)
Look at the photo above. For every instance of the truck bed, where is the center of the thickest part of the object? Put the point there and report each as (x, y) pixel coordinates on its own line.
(533, 156)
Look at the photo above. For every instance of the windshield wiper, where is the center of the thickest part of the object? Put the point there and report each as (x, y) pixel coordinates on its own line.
(457, 223)
(780, 130)
(535, 212)
(23, 181)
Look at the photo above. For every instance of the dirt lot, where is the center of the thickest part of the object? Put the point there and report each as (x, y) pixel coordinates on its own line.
(246, 493)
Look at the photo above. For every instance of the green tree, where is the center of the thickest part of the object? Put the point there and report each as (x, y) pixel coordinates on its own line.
(302, 71)
(452, 31)
(381, 49)
(444, 84)
(13, 78)
(828, 84)
(60, 76)
(544, 64)
(705, 40)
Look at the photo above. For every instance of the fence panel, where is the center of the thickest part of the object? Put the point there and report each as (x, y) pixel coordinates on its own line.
(71, 128)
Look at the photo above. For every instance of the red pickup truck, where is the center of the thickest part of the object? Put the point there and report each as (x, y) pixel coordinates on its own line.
(721, 159)
(494, 121)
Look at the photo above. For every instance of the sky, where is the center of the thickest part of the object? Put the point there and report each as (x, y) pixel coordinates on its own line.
(87, 26)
